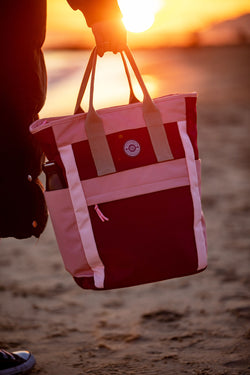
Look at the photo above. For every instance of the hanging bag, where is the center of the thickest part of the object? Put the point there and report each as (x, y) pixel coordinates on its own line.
(129, 211)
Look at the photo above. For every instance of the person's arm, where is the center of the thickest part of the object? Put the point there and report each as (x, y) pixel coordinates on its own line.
(97, 10)
(105, 19)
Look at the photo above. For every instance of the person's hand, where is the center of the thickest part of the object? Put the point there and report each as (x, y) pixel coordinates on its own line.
(110, 35)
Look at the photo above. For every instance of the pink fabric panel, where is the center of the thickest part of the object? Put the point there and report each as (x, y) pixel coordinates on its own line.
(115, 119)
(134, 182)
(199, 229)
(69, 130)
(67, 235)
(172, 107)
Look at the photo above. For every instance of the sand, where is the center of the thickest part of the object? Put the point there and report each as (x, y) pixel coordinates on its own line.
(195, 325)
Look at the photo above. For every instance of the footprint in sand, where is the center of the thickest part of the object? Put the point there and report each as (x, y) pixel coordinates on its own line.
(240, 364)
(241, 312)
(162, 316)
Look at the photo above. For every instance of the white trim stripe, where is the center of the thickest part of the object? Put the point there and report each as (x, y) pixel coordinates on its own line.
(68, 237)
(137, 181)
(194, 187)
(82, 215)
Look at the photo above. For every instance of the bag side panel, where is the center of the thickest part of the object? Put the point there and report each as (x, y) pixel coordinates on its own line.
(198, 224)
(191, 119)
(66, 231)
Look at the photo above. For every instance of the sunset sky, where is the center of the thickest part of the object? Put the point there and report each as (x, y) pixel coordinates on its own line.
(174, 21)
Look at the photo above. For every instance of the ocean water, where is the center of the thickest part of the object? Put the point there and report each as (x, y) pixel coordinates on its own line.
(211, 71)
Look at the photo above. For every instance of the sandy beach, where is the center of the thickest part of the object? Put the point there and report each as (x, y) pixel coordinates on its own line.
(197, 325)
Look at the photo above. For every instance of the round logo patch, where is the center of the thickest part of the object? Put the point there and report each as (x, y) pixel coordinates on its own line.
(132, 148)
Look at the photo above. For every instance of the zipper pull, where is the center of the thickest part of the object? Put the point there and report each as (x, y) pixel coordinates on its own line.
(100, 214)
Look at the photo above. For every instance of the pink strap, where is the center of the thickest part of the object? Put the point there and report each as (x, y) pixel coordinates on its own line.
(82, 215)
(194, 188)
(100, 214)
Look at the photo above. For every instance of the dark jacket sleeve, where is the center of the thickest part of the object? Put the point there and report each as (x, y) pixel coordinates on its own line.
(22, 92)
(97, 10)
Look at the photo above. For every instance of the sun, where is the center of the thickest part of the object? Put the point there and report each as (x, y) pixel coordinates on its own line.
(139, 15)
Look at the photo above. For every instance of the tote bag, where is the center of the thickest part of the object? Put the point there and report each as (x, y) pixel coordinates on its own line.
(130, 212)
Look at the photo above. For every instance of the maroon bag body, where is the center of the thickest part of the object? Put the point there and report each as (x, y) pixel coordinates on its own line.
(130, 212)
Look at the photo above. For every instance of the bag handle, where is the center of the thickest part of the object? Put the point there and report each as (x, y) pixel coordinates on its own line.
(132, 97)
(95, 133)
(84, 83)
(78, 108)
(95, 130)
(152, 117)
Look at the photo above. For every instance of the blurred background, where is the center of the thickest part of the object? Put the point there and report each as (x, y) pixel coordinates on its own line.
(198, 325)
(174, 42)
(164, 23)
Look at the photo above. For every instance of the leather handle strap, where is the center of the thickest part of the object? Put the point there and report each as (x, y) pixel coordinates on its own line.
(132, 97)
(96, 135)
(94, 125)
(152, 117)
(84, 82)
